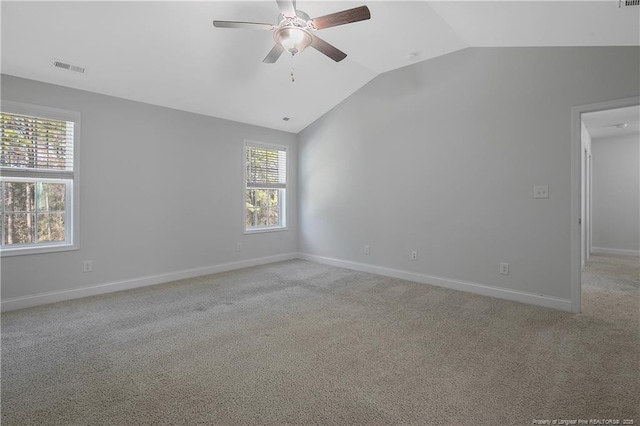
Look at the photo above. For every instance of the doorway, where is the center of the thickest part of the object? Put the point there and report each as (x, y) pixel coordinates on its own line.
(581, 188)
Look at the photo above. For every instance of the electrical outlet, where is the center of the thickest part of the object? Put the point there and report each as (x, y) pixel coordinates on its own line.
(504, 268)
(541, 191)
(367, 249)
(239, 247)
(87, 266)
(414, 255)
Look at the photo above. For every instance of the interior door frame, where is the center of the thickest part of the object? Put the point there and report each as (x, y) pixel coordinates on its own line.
(576, 189)
(590, 204)
(584, 254)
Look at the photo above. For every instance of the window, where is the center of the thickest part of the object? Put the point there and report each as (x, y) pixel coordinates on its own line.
(265, 187)
(38, 180)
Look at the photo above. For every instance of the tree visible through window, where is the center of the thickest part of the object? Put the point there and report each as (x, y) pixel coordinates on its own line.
(265, 189)
(38, 172)
(34, 212)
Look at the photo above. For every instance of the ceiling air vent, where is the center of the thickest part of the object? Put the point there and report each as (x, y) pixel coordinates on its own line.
(68, 67)
(629, 3)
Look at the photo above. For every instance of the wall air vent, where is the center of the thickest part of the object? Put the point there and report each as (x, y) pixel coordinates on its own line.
(68, 67)
(629, 3)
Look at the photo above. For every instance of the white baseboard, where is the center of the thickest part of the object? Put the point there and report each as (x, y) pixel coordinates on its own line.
(76, 293)
(604, 250)
(485, 290)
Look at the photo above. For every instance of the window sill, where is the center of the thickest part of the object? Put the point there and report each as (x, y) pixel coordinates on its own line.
(49, 248)
(263, 230)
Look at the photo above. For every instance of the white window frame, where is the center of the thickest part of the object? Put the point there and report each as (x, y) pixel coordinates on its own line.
(72, 218)
(283, 206)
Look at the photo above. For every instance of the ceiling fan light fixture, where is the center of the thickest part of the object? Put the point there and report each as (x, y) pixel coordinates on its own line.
(293, 39)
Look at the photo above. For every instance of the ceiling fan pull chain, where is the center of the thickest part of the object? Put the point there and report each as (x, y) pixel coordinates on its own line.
(293, 78)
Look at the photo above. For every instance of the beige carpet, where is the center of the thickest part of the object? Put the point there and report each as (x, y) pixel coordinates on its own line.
(610, 273)
(611, 288)
(303, 343)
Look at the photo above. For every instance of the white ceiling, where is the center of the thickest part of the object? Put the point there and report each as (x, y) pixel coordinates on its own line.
(169, 53)
(604, 124)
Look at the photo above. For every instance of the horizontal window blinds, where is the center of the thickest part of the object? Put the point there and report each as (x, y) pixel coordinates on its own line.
(32, 144)
(266, 167)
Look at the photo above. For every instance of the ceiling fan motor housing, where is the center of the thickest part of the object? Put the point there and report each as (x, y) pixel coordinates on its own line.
(300, 20)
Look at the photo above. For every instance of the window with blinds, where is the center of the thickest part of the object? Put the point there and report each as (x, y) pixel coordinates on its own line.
(38, 170)
(265, 187)
(36, 144)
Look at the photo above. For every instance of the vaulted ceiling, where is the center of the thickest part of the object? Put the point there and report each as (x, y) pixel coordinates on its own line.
(169, 53)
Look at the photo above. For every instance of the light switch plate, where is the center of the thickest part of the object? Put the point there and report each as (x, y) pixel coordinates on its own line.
(541, 191)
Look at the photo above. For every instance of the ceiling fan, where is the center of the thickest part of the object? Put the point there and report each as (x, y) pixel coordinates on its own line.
(295, 30)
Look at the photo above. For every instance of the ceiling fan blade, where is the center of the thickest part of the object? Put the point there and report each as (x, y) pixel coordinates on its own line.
(287, 7)
(243, 25)
(340, 18)
(274, 54)
(331, 51)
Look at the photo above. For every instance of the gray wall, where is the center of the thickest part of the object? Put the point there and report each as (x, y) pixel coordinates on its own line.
(442, 156)
(439, 157)
(160, 191)
(616, 193)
